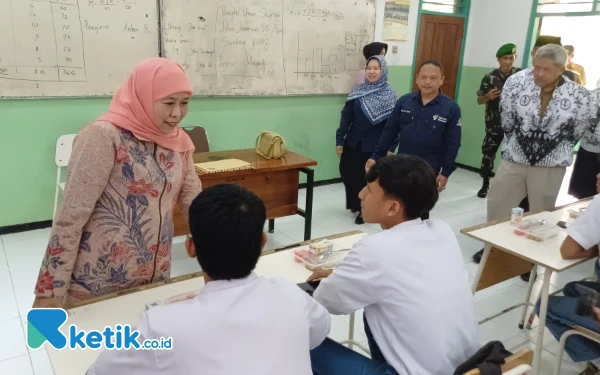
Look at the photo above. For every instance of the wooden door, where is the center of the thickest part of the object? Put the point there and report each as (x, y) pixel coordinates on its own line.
(441, 38)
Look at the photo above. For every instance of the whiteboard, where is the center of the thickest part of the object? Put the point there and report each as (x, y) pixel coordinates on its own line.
(268, 47)
(73, 47)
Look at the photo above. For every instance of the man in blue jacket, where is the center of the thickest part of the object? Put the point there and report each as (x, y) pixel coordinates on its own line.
(428, 123)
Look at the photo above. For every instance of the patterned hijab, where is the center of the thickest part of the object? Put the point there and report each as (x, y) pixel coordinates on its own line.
(378, 99)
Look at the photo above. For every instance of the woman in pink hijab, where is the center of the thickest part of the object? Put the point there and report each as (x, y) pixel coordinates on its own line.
(127, 171)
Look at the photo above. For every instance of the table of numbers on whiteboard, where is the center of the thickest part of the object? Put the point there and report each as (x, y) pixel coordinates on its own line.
(45, 48)
(69, 47)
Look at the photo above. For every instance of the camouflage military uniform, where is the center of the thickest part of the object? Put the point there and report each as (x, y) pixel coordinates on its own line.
(493, 130)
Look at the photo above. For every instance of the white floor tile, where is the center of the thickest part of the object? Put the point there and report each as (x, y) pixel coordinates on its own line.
(8, 301)
(2, 255)
(25, 301)
(178, 251)
(41, 363)
(302, 202)
(444, 210)
(461, 221)
(13, 342)
(328, 196)
(469, 243)
(277, 240)
(548, 359)
(32, 234)
(16, 366)
(184, 267)
(461, 175)
(297, 233)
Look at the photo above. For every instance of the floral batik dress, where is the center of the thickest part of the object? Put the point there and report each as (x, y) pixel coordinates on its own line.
(115, 226)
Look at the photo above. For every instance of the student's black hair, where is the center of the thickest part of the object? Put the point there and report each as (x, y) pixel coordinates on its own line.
(226, 223)
(434, 63)
(374, 49)
(409, 179)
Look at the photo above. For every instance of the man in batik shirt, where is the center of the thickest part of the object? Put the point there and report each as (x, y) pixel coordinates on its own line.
(543, 116)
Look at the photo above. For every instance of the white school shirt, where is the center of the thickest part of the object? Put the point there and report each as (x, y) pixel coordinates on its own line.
(585, 230)
(412, 283)
(547, 141)
(252, 326)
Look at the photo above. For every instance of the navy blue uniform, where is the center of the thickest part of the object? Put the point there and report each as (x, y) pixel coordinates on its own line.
(356, 129)
(431, 131)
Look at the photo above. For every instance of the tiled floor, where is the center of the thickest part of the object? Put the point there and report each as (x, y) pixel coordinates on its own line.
(20, 256)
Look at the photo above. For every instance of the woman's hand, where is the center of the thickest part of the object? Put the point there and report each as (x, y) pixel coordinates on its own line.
(47, 302)
(319, 274)
(339, 150)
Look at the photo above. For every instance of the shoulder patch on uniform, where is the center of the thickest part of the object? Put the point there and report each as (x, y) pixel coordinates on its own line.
(459, 122)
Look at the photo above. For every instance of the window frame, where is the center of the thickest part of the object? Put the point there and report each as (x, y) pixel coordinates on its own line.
(535, 21)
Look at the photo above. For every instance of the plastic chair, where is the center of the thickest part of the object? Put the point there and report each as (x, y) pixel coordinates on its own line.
(64, 146)
(517, 364)
(577, 330)
(199, 137)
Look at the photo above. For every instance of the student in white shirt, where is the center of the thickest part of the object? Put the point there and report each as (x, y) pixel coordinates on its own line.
(239, 323)
(582, 242)
(409, 278)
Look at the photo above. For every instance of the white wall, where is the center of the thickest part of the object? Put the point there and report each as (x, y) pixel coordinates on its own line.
(406, 48)
(493, 23)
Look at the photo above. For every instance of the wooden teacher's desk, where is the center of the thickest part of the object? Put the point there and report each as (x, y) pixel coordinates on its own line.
(274, 181)
(507, 255)
(127, 307)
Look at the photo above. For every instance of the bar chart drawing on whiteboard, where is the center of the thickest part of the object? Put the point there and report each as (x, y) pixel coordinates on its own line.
(335, 54)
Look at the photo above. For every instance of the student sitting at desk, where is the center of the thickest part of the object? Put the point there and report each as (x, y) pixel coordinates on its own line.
(239, 323)
(582, 242)
(410, 279)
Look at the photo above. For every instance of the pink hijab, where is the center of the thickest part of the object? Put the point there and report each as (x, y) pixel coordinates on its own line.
(132, 106)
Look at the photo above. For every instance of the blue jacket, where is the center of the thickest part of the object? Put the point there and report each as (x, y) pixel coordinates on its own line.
(431, 131)
(356, 128)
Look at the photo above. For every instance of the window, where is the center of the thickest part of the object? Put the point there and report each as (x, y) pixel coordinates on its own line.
(444, 6)
(564, 6)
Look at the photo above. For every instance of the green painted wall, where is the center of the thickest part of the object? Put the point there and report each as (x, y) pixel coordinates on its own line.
(29, 130)
(473, 125)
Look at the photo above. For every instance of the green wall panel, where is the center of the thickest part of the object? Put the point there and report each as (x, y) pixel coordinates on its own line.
(30, 129)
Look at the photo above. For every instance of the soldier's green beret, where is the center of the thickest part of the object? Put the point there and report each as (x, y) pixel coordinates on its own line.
(507, 49)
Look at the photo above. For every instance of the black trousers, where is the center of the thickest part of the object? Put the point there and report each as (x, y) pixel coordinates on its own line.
(352, 170)
(583, 179)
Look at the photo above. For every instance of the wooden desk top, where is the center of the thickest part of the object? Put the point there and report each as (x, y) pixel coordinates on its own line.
(290, 161)
(499, 234)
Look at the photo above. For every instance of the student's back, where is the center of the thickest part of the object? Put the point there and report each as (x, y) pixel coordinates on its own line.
(252, 326)
(424, 299)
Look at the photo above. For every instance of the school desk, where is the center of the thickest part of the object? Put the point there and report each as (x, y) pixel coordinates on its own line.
(274, 181)
(503, 247)
(127, 307)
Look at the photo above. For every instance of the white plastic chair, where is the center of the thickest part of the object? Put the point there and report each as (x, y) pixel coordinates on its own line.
(64, 146)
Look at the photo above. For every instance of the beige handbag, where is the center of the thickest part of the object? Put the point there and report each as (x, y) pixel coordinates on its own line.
(271, 145)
